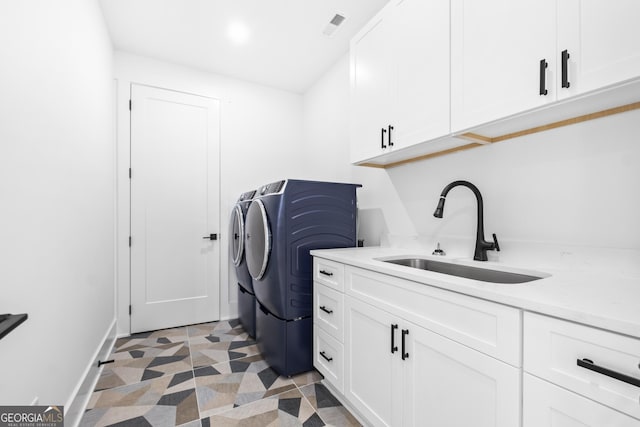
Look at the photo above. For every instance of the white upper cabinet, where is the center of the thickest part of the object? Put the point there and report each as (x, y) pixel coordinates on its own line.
(509, 57)
(370, 88)
(421, 104)
(602, 40)
(425, 72)
(400, 78)
(496, 51)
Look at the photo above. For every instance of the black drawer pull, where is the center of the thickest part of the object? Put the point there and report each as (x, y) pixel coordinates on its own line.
(588, 364)
(325, 309)
(390, 142)
(326, 273)
(327, 358)
(565, 69)
(394, 347)
(405, 355)
(543, 77)
(382, 132)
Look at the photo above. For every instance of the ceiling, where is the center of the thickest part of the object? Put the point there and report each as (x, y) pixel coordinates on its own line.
(285, 46)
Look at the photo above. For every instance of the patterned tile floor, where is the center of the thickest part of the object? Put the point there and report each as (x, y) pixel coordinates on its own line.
(205, 375)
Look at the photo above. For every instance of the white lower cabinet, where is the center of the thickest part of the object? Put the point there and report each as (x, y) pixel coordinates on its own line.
(328, 357)
(547, 405)
(400, 353)
(372, 371)
(400, 374)
(576, 375)
(449, 384)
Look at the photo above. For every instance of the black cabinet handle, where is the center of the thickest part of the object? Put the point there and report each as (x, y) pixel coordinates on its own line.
(588, 364)
(389, 139)
(543, 77)
(565, 69)
(382, 132)
(394, 347)
(326, 273)
(211, 236)
(323, 308)
(327, 358)
(405, 355)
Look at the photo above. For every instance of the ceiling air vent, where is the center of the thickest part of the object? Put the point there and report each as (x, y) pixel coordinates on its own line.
(333, 25)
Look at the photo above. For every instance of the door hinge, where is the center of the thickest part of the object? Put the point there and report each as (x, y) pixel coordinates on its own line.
(129, 105)
(129, 241)
(129, 309)
(129, 173)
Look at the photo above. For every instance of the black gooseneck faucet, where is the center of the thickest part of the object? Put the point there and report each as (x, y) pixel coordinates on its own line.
(482, 246)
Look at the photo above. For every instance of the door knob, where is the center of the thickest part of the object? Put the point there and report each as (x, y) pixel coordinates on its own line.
(211, 236)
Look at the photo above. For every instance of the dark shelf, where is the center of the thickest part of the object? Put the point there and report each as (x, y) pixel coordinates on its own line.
(8, 322)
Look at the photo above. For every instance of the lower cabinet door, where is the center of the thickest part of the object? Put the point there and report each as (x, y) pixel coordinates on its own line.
(547, 405)
(449, 384)
(371, 370)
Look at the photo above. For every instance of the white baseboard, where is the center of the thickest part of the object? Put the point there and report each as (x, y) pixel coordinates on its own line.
(75, 407)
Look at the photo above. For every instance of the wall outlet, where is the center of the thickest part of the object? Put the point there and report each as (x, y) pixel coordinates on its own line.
(35, 401)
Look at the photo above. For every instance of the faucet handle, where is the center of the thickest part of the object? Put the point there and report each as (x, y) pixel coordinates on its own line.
(496, 245)
(438, 251)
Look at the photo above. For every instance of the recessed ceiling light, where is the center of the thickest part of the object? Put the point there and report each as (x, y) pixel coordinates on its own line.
(238, 32)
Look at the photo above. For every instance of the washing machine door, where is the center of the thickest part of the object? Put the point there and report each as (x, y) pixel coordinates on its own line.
(236, 243)
(257, 239)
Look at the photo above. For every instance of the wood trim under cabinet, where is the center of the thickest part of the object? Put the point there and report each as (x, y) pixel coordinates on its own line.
(480, 140)
(423, 157)
(567, 122)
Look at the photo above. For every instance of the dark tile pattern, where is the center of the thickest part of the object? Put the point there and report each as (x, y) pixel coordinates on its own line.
(327, 406)
(144, 364)
(231, 384)
(167, 401)
(205, 375)
(286, 409)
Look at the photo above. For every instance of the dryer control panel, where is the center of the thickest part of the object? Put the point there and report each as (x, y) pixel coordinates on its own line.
(247, 196)
(274, 187)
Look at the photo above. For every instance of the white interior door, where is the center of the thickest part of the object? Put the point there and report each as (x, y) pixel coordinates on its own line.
(175, 143)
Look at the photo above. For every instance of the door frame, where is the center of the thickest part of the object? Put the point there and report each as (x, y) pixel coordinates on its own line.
(123, 204)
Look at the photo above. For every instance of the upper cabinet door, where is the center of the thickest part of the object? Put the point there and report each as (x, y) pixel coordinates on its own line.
(496, 51)
(421, 61)
(400, 78)
(370, 88)
(602, 39)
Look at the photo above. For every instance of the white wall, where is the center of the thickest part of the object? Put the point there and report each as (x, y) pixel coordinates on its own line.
(261, 142)
(575, 185)
(56, 195)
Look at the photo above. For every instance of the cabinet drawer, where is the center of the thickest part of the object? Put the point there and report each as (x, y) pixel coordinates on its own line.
(547, 405)
(328, 310)
(328, 273)
(552, 349)
(328, 357)
(491, 328)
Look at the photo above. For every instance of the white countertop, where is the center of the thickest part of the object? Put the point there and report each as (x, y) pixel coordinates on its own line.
(595, 287)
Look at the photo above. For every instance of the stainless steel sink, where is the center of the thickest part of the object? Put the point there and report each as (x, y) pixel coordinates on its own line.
(460, 270)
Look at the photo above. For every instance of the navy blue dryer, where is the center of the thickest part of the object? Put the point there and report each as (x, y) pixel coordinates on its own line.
(246, 297)
(286, 220)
